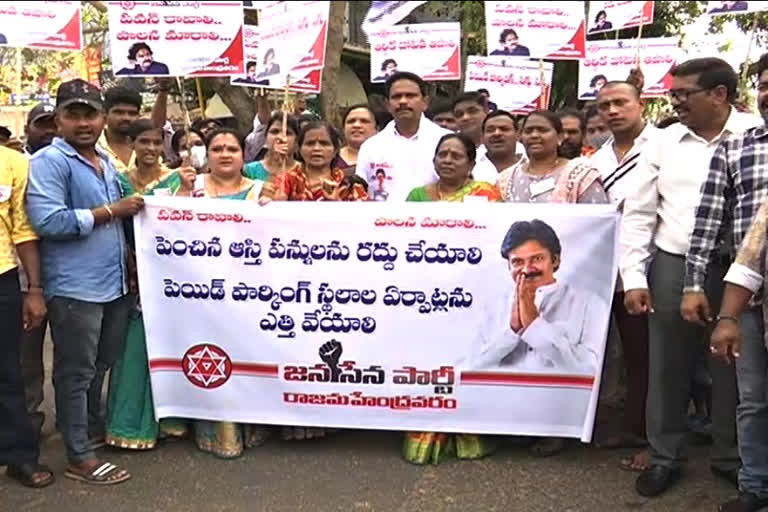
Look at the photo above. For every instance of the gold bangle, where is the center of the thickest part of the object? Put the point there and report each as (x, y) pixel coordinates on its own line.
(109, 211)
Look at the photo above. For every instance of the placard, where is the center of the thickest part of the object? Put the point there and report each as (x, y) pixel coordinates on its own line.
(613, 59)
(513, 84)
(551, 30)
(43, 25)
(612, 15)
(292, 44)
(431, 50)
(176, 38)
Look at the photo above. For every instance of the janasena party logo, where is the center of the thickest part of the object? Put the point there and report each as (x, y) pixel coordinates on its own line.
(207, 366)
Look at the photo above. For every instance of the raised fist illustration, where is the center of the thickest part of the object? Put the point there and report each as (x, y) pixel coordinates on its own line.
(330, 353)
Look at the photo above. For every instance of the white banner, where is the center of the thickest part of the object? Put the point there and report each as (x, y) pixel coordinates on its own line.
(431, 50)
(292, 44)
(613, 59)
(42, 25)
(514, 85)
(546, 30)
(613, 15)
(386, 13)
(176, 39)
(343, 315)
(715, 7)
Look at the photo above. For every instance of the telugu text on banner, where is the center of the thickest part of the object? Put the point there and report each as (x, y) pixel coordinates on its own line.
(612, 15)
(431, 50)
(191, 39)
(613, 59)
(542, 30)
(42, 25)
(348, 316)
(292, 37)
(514, 84)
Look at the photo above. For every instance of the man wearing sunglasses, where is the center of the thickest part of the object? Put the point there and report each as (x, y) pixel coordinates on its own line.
(657, 226)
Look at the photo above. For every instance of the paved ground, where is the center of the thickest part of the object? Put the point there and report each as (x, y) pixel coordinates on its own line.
(357, 471)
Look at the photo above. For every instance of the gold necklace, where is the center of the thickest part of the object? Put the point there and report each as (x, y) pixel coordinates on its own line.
(216, 193)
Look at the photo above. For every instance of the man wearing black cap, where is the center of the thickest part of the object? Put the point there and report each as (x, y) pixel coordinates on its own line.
(74, 205)
(41, 127)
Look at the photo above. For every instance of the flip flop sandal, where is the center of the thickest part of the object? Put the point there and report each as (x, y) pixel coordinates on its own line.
(101, 475)
(25, 474)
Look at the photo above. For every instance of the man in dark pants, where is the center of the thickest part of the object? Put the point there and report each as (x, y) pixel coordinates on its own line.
(656, 231)
(40, 130)
(18, 440)
(73, 202)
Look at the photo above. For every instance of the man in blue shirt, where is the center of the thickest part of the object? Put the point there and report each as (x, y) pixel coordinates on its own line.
(74, 205)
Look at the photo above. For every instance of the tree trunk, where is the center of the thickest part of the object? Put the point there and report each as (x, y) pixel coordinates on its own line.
(238, 101)
(329, 98)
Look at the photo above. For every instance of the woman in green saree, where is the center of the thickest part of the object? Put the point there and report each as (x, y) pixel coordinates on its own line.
(131, 419)
(454, 160)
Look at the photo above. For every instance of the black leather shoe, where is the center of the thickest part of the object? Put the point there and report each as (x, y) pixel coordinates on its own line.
(729, 475)
(746, 502)
(655, 480)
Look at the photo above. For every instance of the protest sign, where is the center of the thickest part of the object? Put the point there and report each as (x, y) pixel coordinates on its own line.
(260, 4)
(176, 39)
(513, 84)
(43, 25)
(387, 13)
(552, 30)
(613, 15)
(613, 59)
(251, 44)
(292, 43)
(716, 7)
(431, 50)
(399, 322)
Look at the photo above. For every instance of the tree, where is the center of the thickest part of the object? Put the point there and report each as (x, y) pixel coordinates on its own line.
(329, 98)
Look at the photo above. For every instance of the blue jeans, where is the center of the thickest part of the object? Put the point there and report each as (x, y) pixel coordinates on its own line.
(88, 338)
(752, 412)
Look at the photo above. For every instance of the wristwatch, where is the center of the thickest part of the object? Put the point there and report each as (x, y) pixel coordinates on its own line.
(693, 289)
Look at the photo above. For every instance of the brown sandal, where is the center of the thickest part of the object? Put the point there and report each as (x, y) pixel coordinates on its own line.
(25, 474)
(103, 474)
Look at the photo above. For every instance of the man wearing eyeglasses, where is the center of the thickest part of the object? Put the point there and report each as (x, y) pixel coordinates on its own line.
(735, 189)
(656, 230)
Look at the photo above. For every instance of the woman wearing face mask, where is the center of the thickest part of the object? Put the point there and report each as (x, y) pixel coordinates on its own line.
(280, 154)
(359, 126)
(547, 177)
(316, 179)
(225, 439)
(454, 161)
(131, 420)
(189, 143)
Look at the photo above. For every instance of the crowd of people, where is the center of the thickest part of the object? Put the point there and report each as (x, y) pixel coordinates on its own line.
(692, 196)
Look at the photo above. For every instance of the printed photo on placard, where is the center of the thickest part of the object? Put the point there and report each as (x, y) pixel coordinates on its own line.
(192, 39)
(431, 50)
(292, 40)
(606, 16)
(613, 59)
(552, 30)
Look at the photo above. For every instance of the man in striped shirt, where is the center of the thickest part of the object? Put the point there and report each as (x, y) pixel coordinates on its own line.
(735, 189)
(620, 107)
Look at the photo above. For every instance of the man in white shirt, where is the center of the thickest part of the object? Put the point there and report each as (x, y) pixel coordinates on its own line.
(404, 150)
(656, 228)
(548, 325)
(621, 110)
(502, 148)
